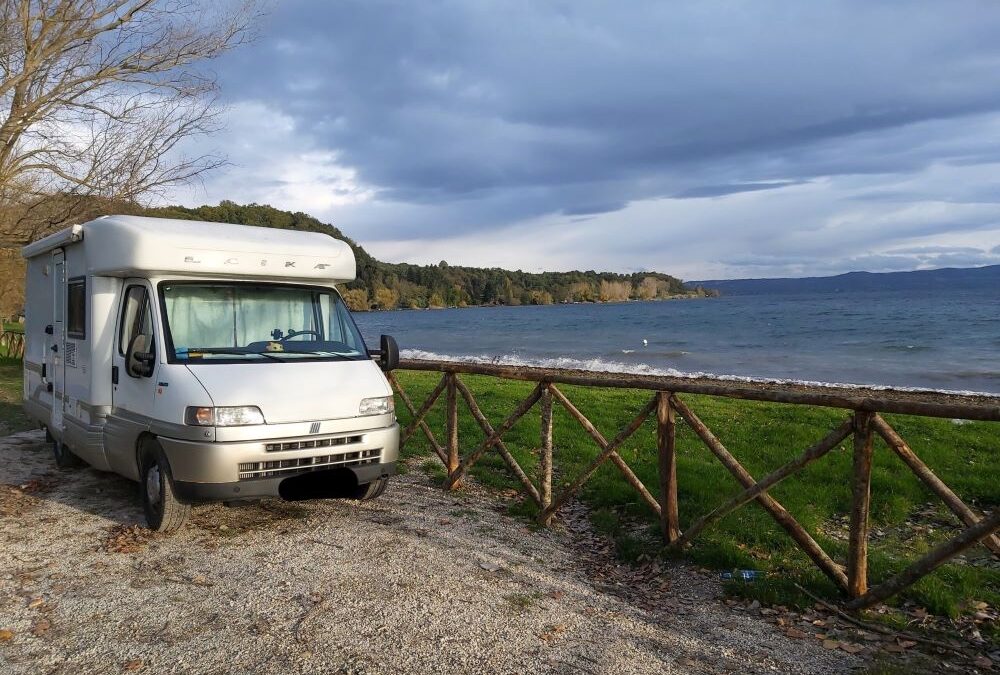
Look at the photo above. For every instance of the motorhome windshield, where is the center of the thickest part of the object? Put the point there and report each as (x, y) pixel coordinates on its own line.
(219, 321)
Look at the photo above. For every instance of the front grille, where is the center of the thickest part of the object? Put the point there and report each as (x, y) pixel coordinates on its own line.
(288, 467)
(312, 443)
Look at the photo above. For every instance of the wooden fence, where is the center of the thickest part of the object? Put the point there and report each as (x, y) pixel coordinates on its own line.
(862, 422)
(12, 344)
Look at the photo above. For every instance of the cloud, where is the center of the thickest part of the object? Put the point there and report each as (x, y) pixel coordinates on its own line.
(722, 190)
(699, 135)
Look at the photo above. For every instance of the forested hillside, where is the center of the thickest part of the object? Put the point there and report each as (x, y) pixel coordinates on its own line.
(387, 286)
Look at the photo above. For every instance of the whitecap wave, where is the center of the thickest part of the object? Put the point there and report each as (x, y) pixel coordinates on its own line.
(605, 366)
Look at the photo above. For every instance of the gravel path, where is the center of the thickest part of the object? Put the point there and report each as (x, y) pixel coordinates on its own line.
(418, 581)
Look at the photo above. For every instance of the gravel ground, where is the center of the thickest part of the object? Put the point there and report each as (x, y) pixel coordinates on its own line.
(418, 581)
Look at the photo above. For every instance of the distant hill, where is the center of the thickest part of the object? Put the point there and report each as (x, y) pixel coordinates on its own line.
(954, 278)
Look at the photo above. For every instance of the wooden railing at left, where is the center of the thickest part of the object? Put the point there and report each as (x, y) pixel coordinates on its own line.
(12, 344)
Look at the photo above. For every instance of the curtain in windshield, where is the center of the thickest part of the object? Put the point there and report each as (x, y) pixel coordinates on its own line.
(227, 316)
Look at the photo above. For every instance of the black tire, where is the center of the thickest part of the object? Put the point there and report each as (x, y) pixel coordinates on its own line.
(164, 512)
(65, 459)
(368, 491)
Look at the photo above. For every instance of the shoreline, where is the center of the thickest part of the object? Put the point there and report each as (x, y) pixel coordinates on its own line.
(671, 298)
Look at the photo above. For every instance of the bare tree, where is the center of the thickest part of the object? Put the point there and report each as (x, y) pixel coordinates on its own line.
(97, 98)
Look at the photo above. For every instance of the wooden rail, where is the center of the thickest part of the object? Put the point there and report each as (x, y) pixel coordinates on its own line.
(12, 344)
(667, 408)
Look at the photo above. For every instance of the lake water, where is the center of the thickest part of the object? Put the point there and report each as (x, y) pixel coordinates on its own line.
(942, 340)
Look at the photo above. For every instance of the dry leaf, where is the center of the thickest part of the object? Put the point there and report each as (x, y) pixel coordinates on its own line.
(851, 648)
(557, 595)
(36, 602)
(553, 632)
(6, 634)
(796, 633)
(906, 644)
(41, 627)
(895, 649)
(133, 665)
(830, 644)
(984, 662)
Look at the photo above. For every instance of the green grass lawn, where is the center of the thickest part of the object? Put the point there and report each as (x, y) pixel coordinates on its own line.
(907, 519)
(12, 417)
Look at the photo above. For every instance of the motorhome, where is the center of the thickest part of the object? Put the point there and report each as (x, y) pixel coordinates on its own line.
(207, 362)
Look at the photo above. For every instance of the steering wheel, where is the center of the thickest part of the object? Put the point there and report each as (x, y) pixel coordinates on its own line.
(296, 333)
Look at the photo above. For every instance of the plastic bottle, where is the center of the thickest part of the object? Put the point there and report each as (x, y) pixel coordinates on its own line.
(742, 575)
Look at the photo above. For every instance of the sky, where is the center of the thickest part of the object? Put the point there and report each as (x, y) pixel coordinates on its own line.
(698, 138)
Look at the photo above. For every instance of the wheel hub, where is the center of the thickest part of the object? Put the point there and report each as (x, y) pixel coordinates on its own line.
(153, 485)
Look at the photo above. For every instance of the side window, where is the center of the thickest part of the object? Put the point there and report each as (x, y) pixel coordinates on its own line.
(136, 333)
(76, 308)
(135, 300)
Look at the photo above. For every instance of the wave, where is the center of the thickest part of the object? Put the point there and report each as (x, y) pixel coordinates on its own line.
(600, 365)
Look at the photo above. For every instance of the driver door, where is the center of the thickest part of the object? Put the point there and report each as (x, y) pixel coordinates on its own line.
(133, 380)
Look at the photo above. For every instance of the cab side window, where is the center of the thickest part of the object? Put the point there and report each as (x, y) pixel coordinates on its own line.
(135, 334)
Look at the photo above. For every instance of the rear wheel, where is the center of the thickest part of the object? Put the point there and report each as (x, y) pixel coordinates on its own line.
(164, 512)
(65, 459)
(369, 491)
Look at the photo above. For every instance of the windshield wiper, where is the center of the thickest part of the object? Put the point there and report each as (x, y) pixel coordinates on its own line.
(344, 357)
(237, 352)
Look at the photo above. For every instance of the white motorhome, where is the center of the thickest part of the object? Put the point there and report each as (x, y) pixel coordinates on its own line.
(208, 362)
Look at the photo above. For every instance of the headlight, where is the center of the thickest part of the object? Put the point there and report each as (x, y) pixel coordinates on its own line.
(233, 416)
(379, 405)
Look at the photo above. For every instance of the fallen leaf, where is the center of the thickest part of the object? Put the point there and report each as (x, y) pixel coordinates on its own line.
(36, 602)
(851, 648)
(894, 649)
(557, 595)
(489, 566)
(830, 644)
(199, 579)
(553, 632)
(6, 634)
(796, 633)
(984, 662)
(41, 627)
(906, 644)
(133, 665)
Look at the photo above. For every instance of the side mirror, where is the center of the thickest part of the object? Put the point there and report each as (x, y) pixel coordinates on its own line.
(138, 361)
(388, 357)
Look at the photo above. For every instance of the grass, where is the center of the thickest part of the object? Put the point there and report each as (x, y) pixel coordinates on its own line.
(12, 418)
(762, 436)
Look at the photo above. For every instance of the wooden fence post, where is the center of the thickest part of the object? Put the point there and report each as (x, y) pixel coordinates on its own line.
(666, 435)
(452, 430)
(857, 551)
(545, 458)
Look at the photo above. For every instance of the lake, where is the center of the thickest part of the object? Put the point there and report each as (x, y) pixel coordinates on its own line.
(944, 340)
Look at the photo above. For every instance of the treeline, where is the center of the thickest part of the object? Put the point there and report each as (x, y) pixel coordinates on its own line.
(389, 286)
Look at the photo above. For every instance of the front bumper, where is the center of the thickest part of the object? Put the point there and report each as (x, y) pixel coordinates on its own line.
(265, 487)
(246, 462)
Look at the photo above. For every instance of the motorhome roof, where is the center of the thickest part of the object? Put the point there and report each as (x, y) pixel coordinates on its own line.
(126, 245)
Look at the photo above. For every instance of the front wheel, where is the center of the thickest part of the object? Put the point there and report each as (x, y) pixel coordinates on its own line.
(368, 491)
(164, 512)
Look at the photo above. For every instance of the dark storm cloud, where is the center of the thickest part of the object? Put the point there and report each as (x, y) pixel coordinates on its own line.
(458, 118)
(451, 101)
